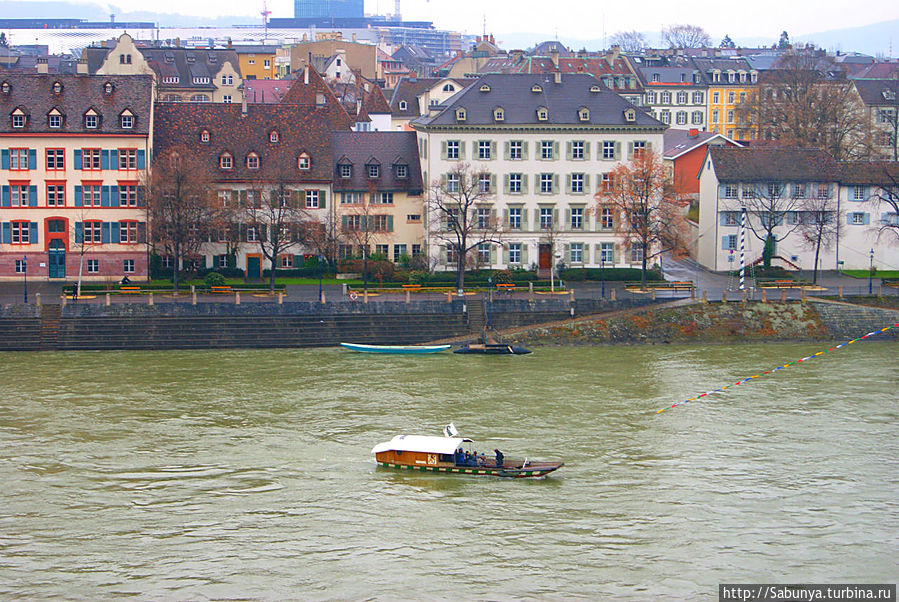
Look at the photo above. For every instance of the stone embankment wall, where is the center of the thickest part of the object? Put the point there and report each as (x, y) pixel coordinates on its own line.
(718, 323)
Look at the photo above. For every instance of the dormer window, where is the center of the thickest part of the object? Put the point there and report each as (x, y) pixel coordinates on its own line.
(373, 170)
(304, 162)
(226, 161)
(54, 119)
(889, 94)
(583, 114)
(536, 88)
(485, 88)
(108, 88)
(499, 114)
(449, 88)
(345, 170)
(273, 136)
(542, 114)
(252, 161)
(91, 120)
(731, 77)
(403, 105)
(57, 88)
(402, 171)
(204, 136)
(594, 89)
(754, 77)
(630, 115)
(126, 120)
(5, 88)
(460, 114)
(18, 118)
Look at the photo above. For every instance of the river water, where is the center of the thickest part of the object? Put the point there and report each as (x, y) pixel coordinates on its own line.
(248, 473)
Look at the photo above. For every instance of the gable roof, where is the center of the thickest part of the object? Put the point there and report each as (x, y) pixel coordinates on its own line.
(300, 128)
(409, 89)
(872, 91)
(514, 93)
(385, 148)
(33, 93)
(680, 142)
(773, 164)
(876, 173)
(186, 63)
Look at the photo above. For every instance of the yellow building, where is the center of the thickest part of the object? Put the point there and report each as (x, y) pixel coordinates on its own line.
(730, 82)
(257, 61)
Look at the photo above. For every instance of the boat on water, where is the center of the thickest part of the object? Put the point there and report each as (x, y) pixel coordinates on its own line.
(403, 349)
(492, 349)
(446, 455)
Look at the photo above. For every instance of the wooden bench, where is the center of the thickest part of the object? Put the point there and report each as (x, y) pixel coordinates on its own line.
(894, 282)
(129, 290)
(505, 285)
(220, 290)
(781, 283)
(676, 286)
(410, 287)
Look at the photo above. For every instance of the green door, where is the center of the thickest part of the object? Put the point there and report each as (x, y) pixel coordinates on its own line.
(56, 256)
(254, 268)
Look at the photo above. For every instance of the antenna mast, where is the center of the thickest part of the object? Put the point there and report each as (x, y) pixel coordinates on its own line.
(265, 12)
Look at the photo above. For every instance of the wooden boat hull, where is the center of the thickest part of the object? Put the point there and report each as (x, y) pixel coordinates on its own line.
(398, 349)
(533, 469)
(492, 349)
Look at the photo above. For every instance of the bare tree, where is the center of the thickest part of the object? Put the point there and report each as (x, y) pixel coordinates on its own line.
(646, 214)
(277, 213)
(805, 101)
(770, 204)
(628, 41)
(461, 214)
(686, 36)
(363, 225)
(818, 226)
(179, 205)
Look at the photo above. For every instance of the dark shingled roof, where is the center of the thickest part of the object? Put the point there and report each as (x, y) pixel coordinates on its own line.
(186, 63)
(872, 91)
(388, 149)
(410, 88)
(33, 94)
(300, 128)
(775, 164)
(877, 173)
(513, 92)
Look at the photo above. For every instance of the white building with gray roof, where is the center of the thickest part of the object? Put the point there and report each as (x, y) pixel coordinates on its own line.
(549, 142)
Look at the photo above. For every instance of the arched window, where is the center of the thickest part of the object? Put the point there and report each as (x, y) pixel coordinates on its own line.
(204, 136)
(304, 162)
(57, 88)
(273, 136)
(252, 161)
(449, 88)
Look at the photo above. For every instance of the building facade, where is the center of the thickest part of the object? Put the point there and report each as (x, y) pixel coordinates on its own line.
(548, 144)
(729, 83)
(74, 150)
(676, 96)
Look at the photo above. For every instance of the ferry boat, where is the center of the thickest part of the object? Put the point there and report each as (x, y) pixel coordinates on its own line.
(445, 454)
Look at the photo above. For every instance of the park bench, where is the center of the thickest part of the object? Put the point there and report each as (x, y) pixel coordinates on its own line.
(129, 290)
(411, 287)
(894, 282)
(661, 284)
(505, 286)
(220, 290)
(780, 283)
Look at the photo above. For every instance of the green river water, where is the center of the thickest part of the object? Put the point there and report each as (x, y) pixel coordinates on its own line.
(186, 475)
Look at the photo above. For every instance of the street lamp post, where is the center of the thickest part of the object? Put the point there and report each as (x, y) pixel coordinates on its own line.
(25, 275)
(871, 274)
(602, 274)
(320, 274)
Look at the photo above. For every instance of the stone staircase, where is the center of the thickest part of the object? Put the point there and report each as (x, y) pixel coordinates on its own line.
(50, 316)
(476, 315)
(849, 321)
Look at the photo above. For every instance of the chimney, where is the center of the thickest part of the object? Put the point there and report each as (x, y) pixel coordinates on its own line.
(354, 37)
(81, 67)
(306, 75)
(693, 133)
(42, 66)
(554, 56)
(243, 106)
(178, 42)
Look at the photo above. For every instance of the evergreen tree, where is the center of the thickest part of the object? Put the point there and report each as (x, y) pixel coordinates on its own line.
(727, 42)
(784, 42)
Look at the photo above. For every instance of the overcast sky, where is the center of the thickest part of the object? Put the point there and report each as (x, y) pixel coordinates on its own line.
(585, 19)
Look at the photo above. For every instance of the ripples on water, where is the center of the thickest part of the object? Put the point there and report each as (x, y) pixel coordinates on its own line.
(248, 473)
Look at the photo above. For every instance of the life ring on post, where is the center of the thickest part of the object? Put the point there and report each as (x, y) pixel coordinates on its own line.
(353, 295)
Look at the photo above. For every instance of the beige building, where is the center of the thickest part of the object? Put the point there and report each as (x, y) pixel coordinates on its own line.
(181, 74)
(73, 151)
(354, 56)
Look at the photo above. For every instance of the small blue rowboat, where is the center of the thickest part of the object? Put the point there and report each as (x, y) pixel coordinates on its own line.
(403, 349)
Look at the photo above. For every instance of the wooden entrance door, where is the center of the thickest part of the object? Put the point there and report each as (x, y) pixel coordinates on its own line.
(254, 267)
(56, 256)
(545, 257)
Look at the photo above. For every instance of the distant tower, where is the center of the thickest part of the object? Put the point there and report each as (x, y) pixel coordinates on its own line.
(327, 9)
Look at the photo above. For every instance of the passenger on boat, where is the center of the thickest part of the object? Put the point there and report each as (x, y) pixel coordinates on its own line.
(473, 460)
(459, 457)
(482, 460)
(499, 458)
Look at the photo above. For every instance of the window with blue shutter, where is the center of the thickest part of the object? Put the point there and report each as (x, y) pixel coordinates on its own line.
(77, 162)
(79, 198)
(32, 196)
(141, 160)
(114, 232)
(105, 233)
(79, 232)
(4, 158)
(113, 196)
(104, 196)
(32, 158)
(390, 223)
(7, 233)
(114, 159)
(321, 199)
(140, 196)
(104, 159)
(4, 196)
(32, 233)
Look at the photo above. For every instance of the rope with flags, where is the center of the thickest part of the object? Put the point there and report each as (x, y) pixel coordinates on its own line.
(773, 370)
